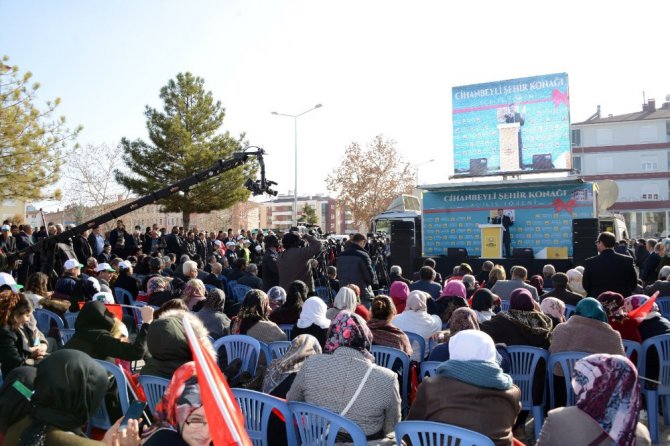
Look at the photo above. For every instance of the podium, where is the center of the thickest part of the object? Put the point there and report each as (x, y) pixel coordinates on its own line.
(508, 141)
(492, 241)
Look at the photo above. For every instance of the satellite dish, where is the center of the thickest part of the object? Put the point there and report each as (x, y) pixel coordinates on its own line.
(608, 192)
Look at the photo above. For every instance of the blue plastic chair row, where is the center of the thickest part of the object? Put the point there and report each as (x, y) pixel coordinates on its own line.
(243, 347)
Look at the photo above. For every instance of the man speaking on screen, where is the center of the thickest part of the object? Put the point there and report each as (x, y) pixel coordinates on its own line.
(506, 222)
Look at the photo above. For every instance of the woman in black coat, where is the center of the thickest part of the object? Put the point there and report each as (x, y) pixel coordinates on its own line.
(15, 351)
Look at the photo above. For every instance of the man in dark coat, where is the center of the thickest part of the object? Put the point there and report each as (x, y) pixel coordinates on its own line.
(354, 265)
(174, 242)
(82, 249)
(506, 222)
(609, 271)
(649, 270)
(118, 238)
(293, 264)
(24, 239)
(269, 265)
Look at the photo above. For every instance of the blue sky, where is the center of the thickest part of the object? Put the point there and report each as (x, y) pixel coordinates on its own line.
(376, 66)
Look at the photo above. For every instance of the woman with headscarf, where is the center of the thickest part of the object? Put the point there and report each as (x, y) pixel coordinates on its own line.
(346, 381)
(313, 320)
(613, 305)
(180, 416)
(383, 331)
(289, 312)
(398, 293)
(194, 294)
(345, 299)
(282, 371)
(472, 376)
(277, 297)
(466, 319)
(159, 290)
(453, 296)
(360, 309)
(253, 319)
(415, 319)
(482, 304)
(69, 388)
(521, 324)
(212, 316)
(538, 282)
(555, 309)
(575, 281)
(15, 403)
(650, 325)
(93, 334)
(607, 410)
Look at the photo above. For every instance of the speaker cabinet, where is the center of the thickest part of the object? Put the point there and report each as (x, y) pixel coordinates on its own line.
(457, 254)
(523, 253)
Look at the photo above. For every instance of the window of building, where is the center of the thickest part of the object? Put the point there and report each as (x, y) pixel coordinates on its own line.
(649, 163)
(650, 192)
(577, 163)
(604, 137)
(648, 133)
(667, 128)
(604, 164)
(576, 137)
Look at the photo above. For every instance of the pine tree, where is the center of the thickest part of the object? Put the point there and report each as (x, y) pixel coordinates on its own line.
(31, 139)
(184, 140)
(309, 215)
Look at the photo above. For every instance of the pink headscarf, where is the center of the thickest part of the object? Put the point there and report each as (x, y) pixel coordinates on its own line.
(454, 288)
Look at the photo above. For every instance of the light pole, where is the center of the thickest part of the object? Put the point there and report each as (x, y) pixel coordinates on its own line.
(295, 181)
(416, 169)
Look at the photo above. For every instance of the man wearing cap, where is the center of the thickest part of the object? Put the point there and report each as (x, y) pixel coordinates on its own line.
(7, 241)
(65, 286)
(104, 274)
(230, 252)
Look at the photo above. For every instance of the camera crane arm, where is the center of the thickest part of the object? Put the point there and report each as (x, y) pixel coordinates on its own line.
(257, 187)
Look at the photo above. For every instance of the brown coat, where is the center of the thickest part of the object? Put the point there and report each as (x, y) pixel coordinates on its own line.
(582, 334)
(293, 264)
(571, 426)
(488, 411)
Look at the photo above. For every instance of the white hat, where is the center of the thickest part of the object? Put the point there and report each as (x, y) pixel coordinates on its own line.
(104, 297)
(124, 264)
(230, 243)
(5, 228)
(258, 248)
(104, 267)
(7, 280)
(247, 242)
(239, 237)
(96, 284)
(218, 243)
(72, 264)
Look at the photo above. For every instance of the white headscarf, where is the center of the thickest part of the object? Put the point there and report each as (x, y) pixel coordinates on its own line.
(472, 345)
(416, 301)
(313, 312)
(345, 299)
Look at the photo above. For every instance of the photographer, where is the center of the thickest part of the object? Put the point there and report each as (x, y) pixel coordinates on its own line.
(293, 264)
(354, 265)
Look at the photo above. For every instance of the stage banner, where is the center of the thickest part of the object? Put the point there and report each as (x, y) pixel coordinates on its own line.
(542, 216)
(514, 125)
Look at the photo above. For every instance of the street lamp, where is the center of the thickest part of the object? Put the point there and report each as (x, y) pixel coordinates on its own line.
(416, 169)
(295, 182)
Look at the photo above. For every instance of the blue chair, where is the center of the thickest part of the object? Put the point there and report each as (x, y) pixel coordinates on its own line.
(430, 433)
(662, 345)
(123, 297)
(504, 305)
(663, 303)
(65, 335)
(154, 388)
(44, 319)
(100, 418)
(239, 291)
(632, 347)
(257, 408)
(428, 369)
(388, 358)
(417, 341)
(278, 349)
(324, 293)
(243, 347)
(569, 310)
(566, 361)
(287, 329)
(524, 361)
(319, 427)
(70, 318)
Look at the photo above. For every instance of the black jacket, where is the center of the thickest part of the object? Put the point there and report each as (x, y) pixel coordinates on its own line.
(649, 270)
(270, 271)
(252, 281)
(12, 350)
(609, 271)
(82, 249)
(355, 266)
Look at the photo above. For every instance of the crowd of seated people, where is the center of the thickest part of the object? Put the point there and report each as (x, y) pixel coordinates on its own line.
(330, 361)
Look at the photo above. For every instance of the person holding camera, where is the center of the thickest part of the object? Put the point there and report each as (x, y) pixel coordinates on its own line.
(293, 264)
(354, 265)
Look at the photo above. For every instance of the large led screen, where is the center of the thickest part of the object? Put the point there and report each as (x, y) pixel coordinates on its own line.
(516, 125)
